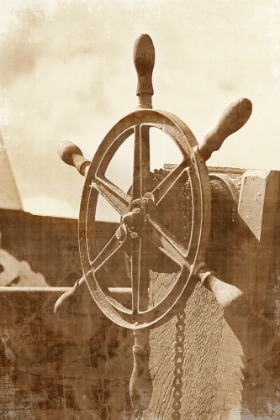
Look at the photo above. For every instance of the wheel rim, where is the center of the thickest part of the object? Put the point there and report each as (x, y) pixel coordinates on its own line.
(137, 211)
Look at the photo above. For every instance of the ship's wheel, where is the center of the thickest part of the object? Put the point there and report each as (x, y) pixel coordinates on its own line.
(140, 224)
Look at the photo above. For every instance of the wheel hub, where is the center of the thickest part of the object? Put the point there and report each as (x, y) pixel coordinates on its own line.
(134, 220)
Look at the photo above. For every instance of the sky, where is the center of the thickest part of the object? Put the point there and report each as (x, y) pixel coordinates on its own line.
(67, 73)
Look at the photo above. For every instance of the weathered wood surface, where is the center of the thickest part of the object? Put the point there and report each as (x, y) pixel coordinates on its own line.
(39, 240)
(73, 367)
(202, 336)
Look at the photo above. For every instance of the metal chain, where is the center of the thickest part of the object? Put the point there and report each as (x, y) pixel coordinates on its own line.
(178, 369)
(181, 316)
(178, 365)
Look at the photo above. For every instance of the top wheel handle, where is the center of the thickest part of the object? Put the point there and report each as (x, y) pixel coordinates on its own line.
(144, 61)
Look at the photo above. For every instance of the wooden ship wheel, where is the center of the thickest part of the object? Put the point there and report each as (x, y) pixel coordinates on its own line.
(140, 224)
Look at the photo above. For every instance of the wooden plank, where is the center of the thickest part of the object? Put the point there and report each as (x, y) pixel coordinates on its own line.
(257, 209)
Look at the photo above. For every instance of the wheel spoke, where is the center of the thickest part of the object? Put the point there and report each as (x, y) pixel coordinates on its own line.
(167, 183)
(141, 165)
(136, 246)
(163, 239)
(118, 199)
(106, 253)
